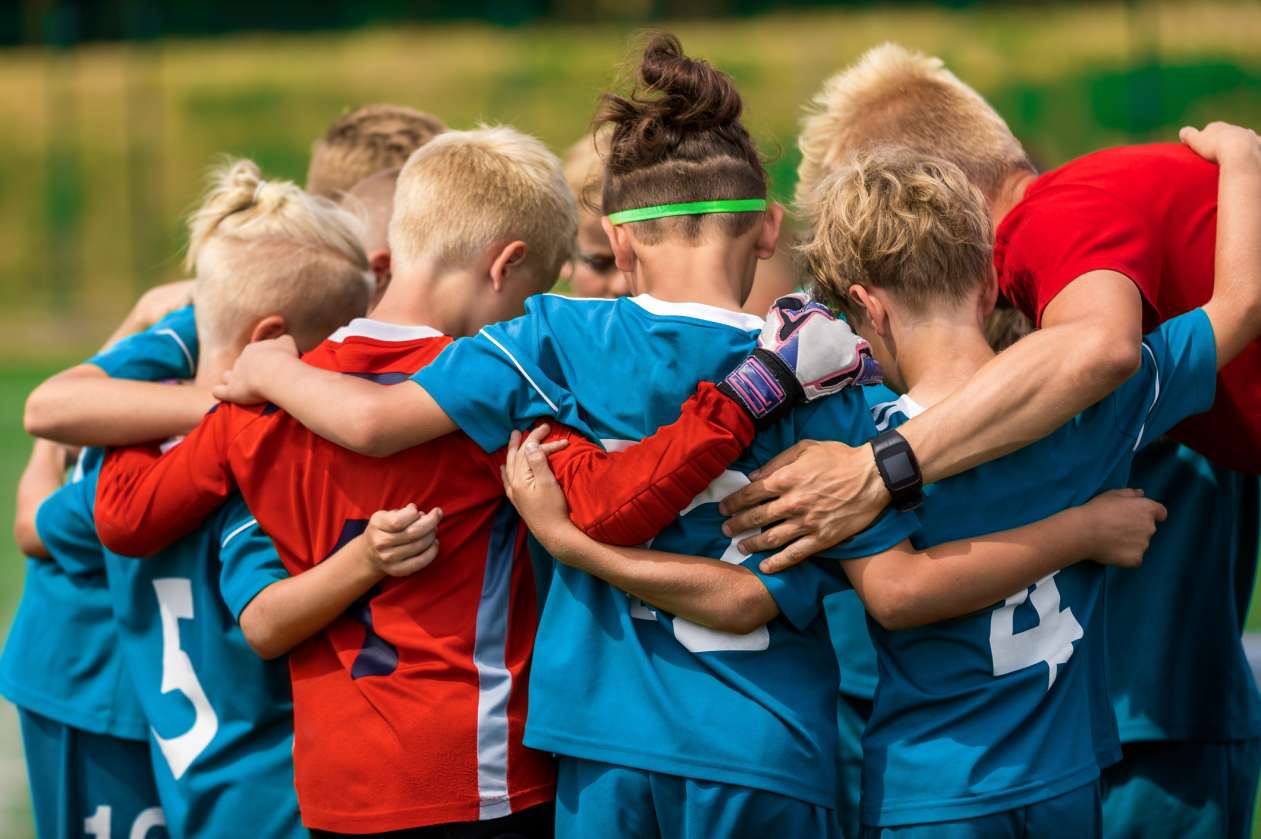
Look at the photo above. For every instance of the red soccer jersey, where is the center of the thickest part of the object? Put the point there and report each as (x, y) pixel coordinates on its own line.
(1150, 213)
(410, 708)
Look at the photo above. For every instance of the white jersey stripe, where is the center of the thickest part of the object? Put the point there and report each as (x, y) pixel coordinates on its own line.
(1155, 396)
(188, 356)
(490, 657)
(520, 370)
(238, 531)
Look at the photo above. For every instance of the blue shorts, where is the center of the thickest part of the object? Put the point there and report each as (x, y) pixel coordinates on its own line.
(1075, 813)
(599, 799)
(89, 785)
(1182, 789)
(852, 715)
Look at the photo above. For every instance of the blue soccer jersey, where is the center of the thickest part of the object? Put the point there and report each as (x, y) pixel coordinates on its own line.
(1187, 679)
(615, 680)
(61, 659)
(1010, 706)
(220, 718)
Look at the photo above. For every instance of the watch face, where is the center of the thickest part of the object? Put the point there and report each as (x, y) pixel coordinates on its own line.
(899, 469)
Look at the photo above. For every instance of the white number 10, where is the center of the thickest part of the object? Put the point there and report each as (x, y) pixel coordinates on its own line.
(1050, 641)
(175, 603)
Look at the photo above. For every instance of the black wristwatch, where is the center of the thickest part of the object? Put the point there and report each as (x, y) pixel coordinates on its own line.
(899, 469)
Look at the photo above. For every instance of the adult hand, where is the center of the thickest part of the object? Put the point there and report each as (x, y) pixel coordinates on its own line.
(1222, 142)
(810, 497)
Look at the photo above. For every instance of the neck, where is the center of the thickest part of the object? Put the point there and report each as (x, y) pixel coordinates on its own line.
(715, 274)
(211, 365)
(937, 356)
(426, 296)
(1011, 193)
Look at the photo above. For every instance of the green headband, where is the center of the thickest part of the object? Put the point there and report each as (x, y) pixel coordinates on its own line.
(691, 208)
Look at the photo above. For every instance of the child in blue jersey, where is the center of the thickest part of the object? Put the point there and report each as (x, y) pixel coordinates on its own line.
(1188, 710)
(83, 730)
(689, 707)
(996, 724)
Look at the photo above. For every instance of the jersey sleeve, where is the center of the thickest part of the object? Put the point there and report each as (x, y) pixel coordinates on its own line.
(145, 499)
(627, 497)
(248, 559)
(65, 526)
(1066, 231)
(799, 591)
(844, 417)
(166, 350)
(491, 383)
(1179, 375)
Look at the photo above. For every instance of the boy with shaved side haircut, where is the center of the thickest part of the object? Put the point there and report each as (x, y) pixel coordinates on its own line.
(365, 141)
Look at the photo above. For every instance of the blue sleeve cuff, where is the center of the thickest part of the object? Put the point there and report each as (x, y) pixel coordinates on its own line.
(249, 564)
(166, 350)
(799, 591)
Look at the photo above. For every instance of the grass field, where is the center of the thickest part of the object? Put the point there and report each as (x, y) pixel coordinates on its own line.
(106, 145)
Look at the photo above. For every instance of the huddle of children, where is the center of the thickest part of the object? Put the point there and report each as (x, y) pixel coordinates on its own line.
(620, 668)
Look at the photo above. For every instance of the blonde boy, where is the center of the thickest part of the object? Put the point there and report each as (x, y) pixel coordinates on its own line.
(365, 141)
(1003, 733)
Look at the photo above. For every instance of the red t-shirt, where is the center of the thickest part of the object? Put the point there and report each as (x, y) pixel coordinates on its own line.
(1150, 213)
(409, 709)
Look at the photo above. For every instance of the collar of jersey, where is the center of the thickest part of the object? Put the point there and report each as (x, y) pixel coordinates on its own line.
(698, 311)
(382, 331)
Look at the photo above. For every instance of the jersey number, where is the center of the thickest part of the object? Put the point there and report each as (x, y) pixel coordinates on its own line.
(1050, 641)
(175, 603)
(101, 821)
(694, 637)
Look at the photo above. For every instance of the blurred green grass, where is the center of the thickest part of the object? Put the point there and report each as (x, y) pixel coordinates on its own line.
(107, 144)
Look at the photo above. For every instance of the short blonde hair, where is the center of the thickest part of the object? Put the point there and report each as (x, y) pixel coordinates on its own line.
(466, 190)
(893, 96)
(583, 165)
(901, 221)
(364, 142)
(266, 247)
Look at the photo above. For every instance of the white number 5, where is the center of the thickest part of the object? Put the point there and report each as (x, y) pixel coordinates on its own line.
(1050, 641)
(175, 603)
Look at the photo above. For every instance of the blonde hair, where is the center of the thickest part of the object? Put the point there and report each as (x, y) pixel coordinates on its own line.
(364, 142)
(893, 96)
(266, 247)
(901, 221)
(583, 165)
(466, 190)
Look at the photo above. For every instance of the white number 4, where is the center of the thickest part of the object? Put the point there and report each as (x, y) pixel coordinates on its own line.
(175, 603)
(1050, 641)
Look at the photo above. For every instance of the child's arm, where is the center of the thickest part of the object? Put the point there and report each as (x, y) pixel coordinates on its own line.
(84, 406)
(145, 499)
(110, 400)
(397, 543)
(356, 414)
(45, 471)
(1235, 308)
(900, 587)
(903, 588)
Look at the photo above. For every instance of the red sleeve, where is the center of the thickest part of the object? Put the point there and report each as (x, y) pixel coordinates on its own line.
(1062, 232)
(627, 497)
(145, 500)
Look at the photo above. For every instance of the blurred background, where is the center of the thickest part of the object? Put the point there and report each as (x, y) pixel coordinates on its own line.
(113, 110)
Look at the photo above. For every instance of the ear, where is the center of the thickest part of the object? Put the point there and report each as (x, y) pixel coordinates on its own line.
(768, 236)
(380, 263)
(505, 262)
(272, 326)
(877, 313)
(622, 244)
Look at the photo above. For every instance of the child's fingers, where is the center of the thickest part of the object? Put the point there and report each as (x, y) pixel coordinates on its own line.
(416, 563)
(536, 459)
(554, 446)
(536, 437)
(394, 521)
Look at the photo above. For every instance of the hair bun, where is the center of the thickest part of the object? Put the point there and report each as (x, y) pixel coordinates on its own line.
(693, 94)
